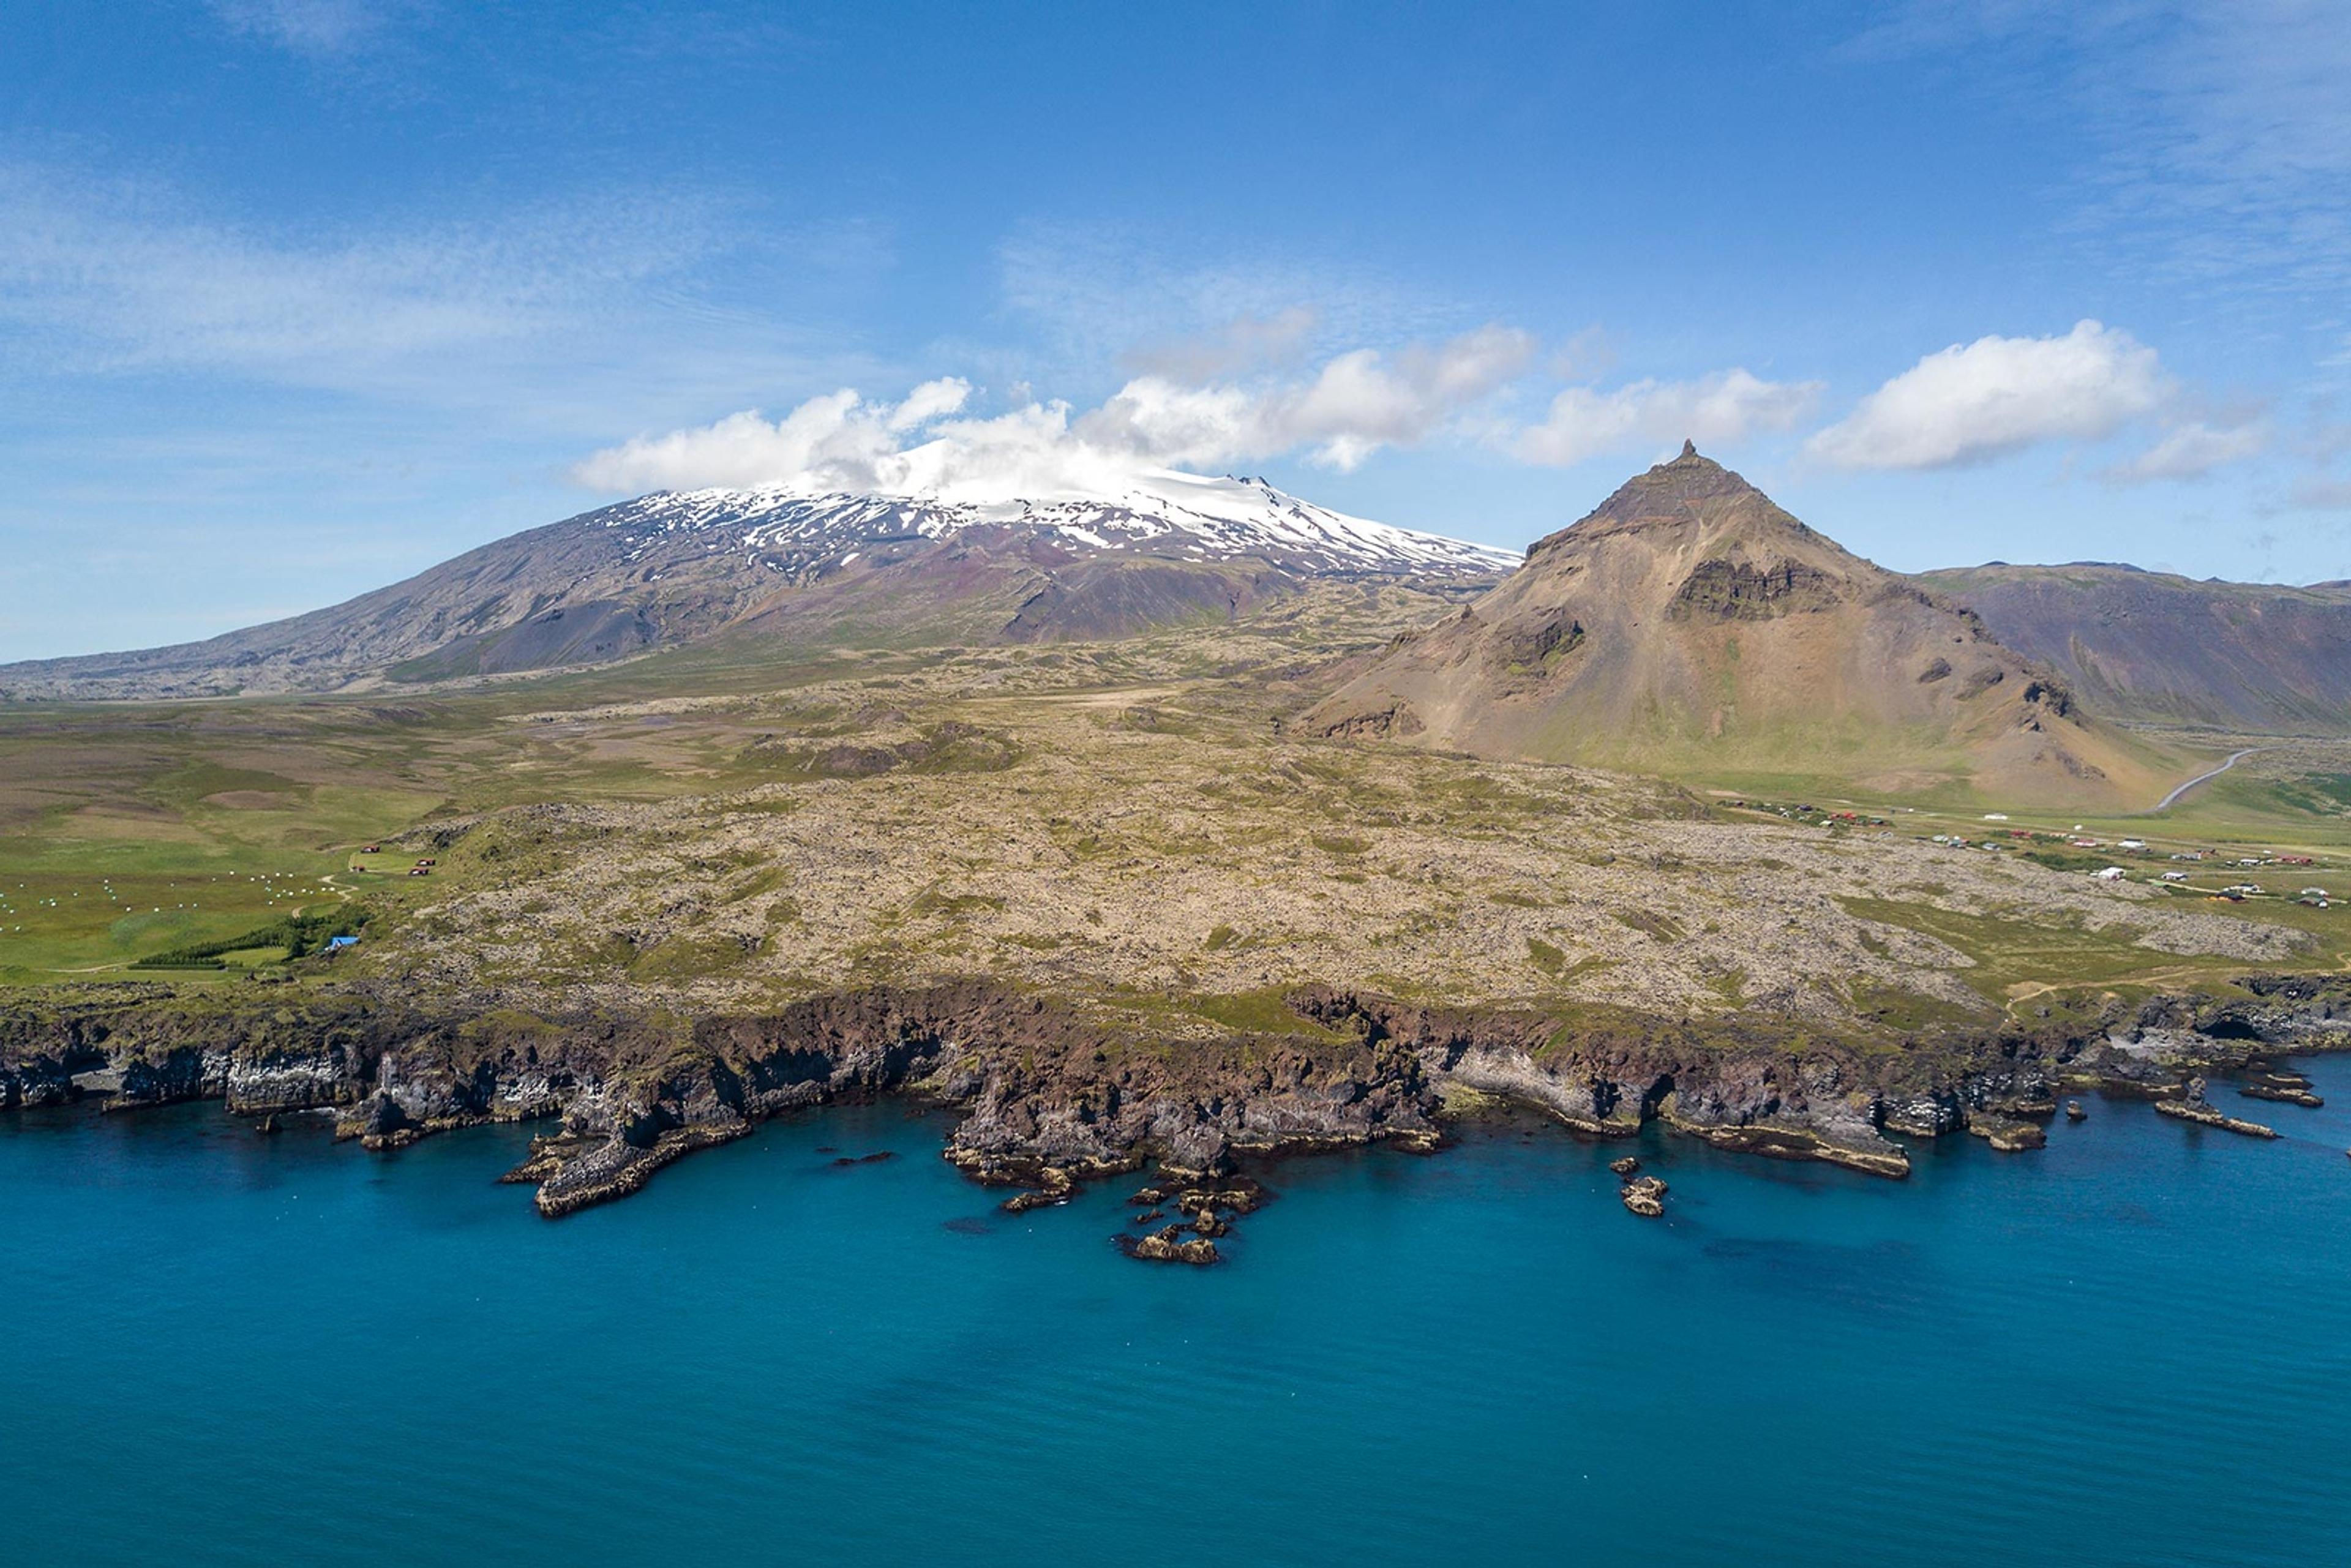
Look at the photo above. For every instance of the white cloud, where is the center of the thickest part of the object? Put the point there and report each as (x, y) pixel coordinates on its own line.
(1355, 405)
(931, 400)
(1977, 401)
(1585, 422)
(2192, 450)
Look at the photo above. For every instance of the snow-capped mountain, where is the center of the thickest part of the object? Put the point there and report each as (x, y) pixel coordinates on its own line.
(829, 568)
(1163, 513)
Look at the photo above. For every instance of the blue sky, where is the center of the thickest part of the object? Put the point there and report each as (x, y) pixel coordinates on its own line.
(299, 296)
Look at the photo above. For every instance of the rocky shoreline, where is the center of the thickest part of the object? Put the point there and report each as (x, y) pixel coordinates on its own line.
(1052, 1098)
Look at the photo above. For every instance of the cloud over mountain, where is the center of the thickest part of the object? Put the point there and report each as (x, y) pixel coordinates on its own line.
(1727, 407)
(1352, 406)
(1337, 415)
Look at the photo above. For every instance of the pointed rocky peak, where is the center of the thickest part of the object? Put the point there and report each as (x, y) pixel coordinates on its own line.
(1689, 491)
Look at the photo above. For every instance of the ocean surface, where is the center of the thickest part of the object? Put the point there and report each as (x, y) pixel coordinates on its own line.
(2133, 1347)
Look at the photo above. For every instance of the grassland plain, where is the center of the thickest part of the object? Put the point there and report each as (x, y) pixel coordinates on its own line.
(1228, 930)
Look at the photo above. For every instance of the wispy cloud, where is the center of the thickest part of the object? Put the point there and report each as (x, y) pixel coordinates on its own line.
(317, 29)
(598, 296)
(107, 276)
(2319, 493)
(2216, 134)
(1086, 292)
(1977, 401)
(2192, 450)
(1246, 343)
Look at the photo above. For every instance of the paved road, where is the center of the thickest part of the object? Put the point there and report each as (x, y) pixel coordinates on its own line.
(2164, 804)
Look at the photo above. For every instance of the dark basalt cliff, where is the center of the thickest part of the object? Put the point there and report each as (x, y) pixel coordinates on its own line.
(1052, 1097)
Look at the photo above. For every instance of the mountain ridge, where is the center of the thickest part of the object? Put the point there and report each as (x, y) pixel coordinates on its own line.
(836, 568)
(2159, 648)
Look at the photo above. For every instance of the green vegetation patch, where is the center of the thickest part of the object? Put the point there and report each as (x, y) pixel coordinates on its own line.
(296, 936)
(688, 955)
(1650, 923)
(953, 906)
(1906, 1011)
(2009, 950)
(1266, 1011)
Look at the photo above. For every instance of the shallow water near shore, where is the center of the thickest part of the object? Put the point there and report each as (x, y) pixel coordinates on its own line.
(2133, 1347)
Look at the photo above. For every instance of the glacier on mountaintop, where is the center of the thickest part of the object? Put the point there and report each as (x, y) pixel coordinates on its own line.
(1217, 517)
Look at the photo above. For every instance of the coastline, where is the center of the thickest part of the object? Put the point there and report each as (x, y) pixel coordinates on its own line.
(1050, 1101)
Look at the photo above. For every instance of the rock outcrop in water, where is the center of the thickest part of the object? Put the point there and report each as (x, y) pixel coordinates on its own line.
(1644, 1196)
(1052, 1099)
(2192, 1106)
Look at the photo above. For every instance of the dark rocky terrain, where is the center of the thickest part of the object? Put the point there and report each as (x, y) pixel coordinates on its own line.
(1050, 1099)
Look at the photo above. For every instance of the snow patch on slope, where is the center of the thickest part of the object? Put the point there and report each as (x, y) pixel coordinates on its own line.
(1155, 512)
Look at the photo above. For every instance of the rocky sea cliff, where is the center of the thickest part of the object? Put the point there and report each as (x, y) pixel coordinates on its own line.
(1049, 1098)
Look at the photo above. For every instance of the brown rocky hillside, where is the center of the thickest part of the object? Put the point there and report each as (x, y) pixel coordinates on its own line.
(1689, 625)
(2150, 646)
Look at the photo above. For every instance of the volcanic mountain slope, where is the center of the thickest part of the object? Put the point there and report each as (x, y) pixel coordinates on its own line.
(2150, 647)
(1688, 626)
(824, 570)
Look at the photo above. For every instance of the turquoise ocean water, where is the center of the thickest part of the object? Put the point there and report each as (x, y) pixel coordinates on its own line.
(2133, 1347)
